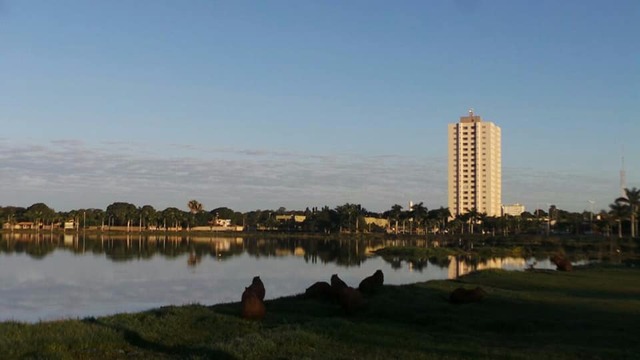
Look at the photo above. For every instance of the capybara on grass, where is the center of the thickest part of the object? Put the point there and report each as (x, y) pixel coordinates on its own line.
(252, 306)
(372, 283)
(319, 290)
(561, 263)
(351, 300)
(258, 287)
(337, 285)
(465, 296)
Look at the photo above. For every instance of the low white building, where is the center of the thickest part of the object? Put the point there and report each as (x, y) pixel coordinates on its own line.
(70, 225)
(513, 209)
(222, 222)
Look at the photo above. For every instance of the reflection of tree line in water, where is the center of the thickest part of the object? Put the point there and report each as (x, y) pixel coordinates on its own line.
(476, 253)
(343, 252)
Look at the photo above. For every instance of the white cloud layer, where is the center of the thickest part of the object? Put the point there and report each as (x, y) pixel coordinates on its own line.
(70, 174)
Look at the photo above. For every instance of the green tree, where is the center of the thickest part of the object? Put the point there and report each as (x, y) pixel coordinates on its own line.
(148, 215)
(419, 214)
(441, 217)
(194, 206)
(327, 220)
(394, 215)
(12, 214)
(172, 217)
(619, 211)
(40, 213)
(632, 199)
(472, 216)
(603, 222)
(121, 213)
(351, 216)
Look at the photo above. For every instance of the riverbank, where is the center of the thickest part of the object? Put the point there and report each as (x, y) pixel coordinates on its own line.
(592, 312)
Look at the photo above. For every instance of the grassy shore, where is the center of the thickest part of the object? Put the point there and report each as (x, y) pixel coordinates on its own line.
(591, 313)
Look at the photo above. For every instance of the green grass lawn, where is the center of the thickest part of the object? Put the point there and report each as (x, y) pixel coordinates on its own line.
(591, 313)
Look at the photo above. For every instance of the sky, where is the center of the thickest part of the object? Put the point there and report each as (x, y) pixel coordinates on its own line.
(268, 104)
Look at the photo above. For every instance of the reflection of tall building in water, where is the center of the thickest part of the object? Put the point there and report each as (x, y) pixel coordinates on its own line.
(459, 267)
(475, 169)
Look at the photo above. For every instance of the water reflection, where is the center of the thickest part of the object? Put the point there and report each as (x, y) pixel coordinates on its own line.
(52, 276)
(126, 247)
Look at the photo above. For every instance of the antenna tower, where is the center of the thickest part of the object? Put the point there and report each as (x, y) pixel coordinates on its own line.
(623, 177)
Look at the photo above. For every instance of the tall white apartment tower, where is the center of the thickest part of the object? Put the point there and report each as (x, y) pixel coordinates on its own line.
(475, 166)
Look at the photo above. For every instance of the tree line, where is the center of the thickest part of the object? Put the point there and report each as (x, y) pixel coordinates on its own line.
(351, 218)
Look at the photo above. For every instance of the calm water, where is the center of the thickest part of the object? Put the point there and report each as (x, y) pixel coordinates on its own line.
(46, 277)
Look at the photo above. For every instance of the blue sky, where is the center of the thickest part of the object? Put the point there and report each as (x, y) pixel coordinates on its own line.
(262, 104)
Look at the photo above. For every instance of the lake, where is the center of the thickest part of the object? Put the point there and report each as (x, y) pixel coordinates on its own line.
(57, 276)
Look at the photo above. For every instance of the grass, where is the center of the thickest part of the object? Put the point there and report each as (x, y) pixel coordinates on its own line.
(591, 313)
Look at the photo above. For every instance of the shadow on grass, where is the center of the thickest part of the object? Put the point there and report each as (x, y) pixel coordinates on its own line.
(134, 339)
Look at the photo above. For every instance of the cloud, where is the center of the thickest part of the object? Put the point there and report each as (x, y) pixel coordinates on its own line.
(567, 190)
(69, 174)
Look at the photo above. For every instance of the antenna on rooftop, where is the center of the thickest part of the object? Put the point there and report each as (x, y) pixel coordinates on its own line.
(623, 177)
(471, 112)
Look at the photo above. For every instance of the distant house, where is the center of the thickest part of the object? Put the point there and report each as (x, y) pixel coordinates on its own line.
(25, 225)
(222, 222)
(292, 217)
(383, 223)
(70, 225)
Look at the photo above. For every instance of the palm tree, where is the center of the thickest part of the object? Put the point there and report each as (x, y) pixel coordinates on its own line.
(464, 220)
(194, 206)
(619, 212)
(473, 216)
(632, 199)
(419, 214)
(394, 214)
(443, 217)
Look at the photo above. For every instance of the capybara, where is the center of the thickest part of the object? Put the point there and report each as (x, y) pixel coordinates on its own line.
(351, 300)
(465, 296)
(561, 263)
(258, 287)
(372, 283)
(337, 285)
(252, 307)
(319, 290)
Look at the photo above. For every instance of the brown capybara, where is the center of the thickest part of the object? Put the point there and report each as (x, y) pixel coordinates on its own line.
(466, 296)
(319, 290)
(351, 300)
(258, 287)
(337, 285)
(252, 307)
(561, 263)
(372, 283)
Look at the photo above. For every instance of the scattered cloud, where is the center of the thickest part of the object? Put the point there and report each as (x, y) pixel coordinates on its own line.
(69, 174)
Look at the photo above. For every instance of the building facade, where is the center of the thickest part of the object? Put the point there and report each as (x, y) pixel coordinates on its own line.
(475, 166)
